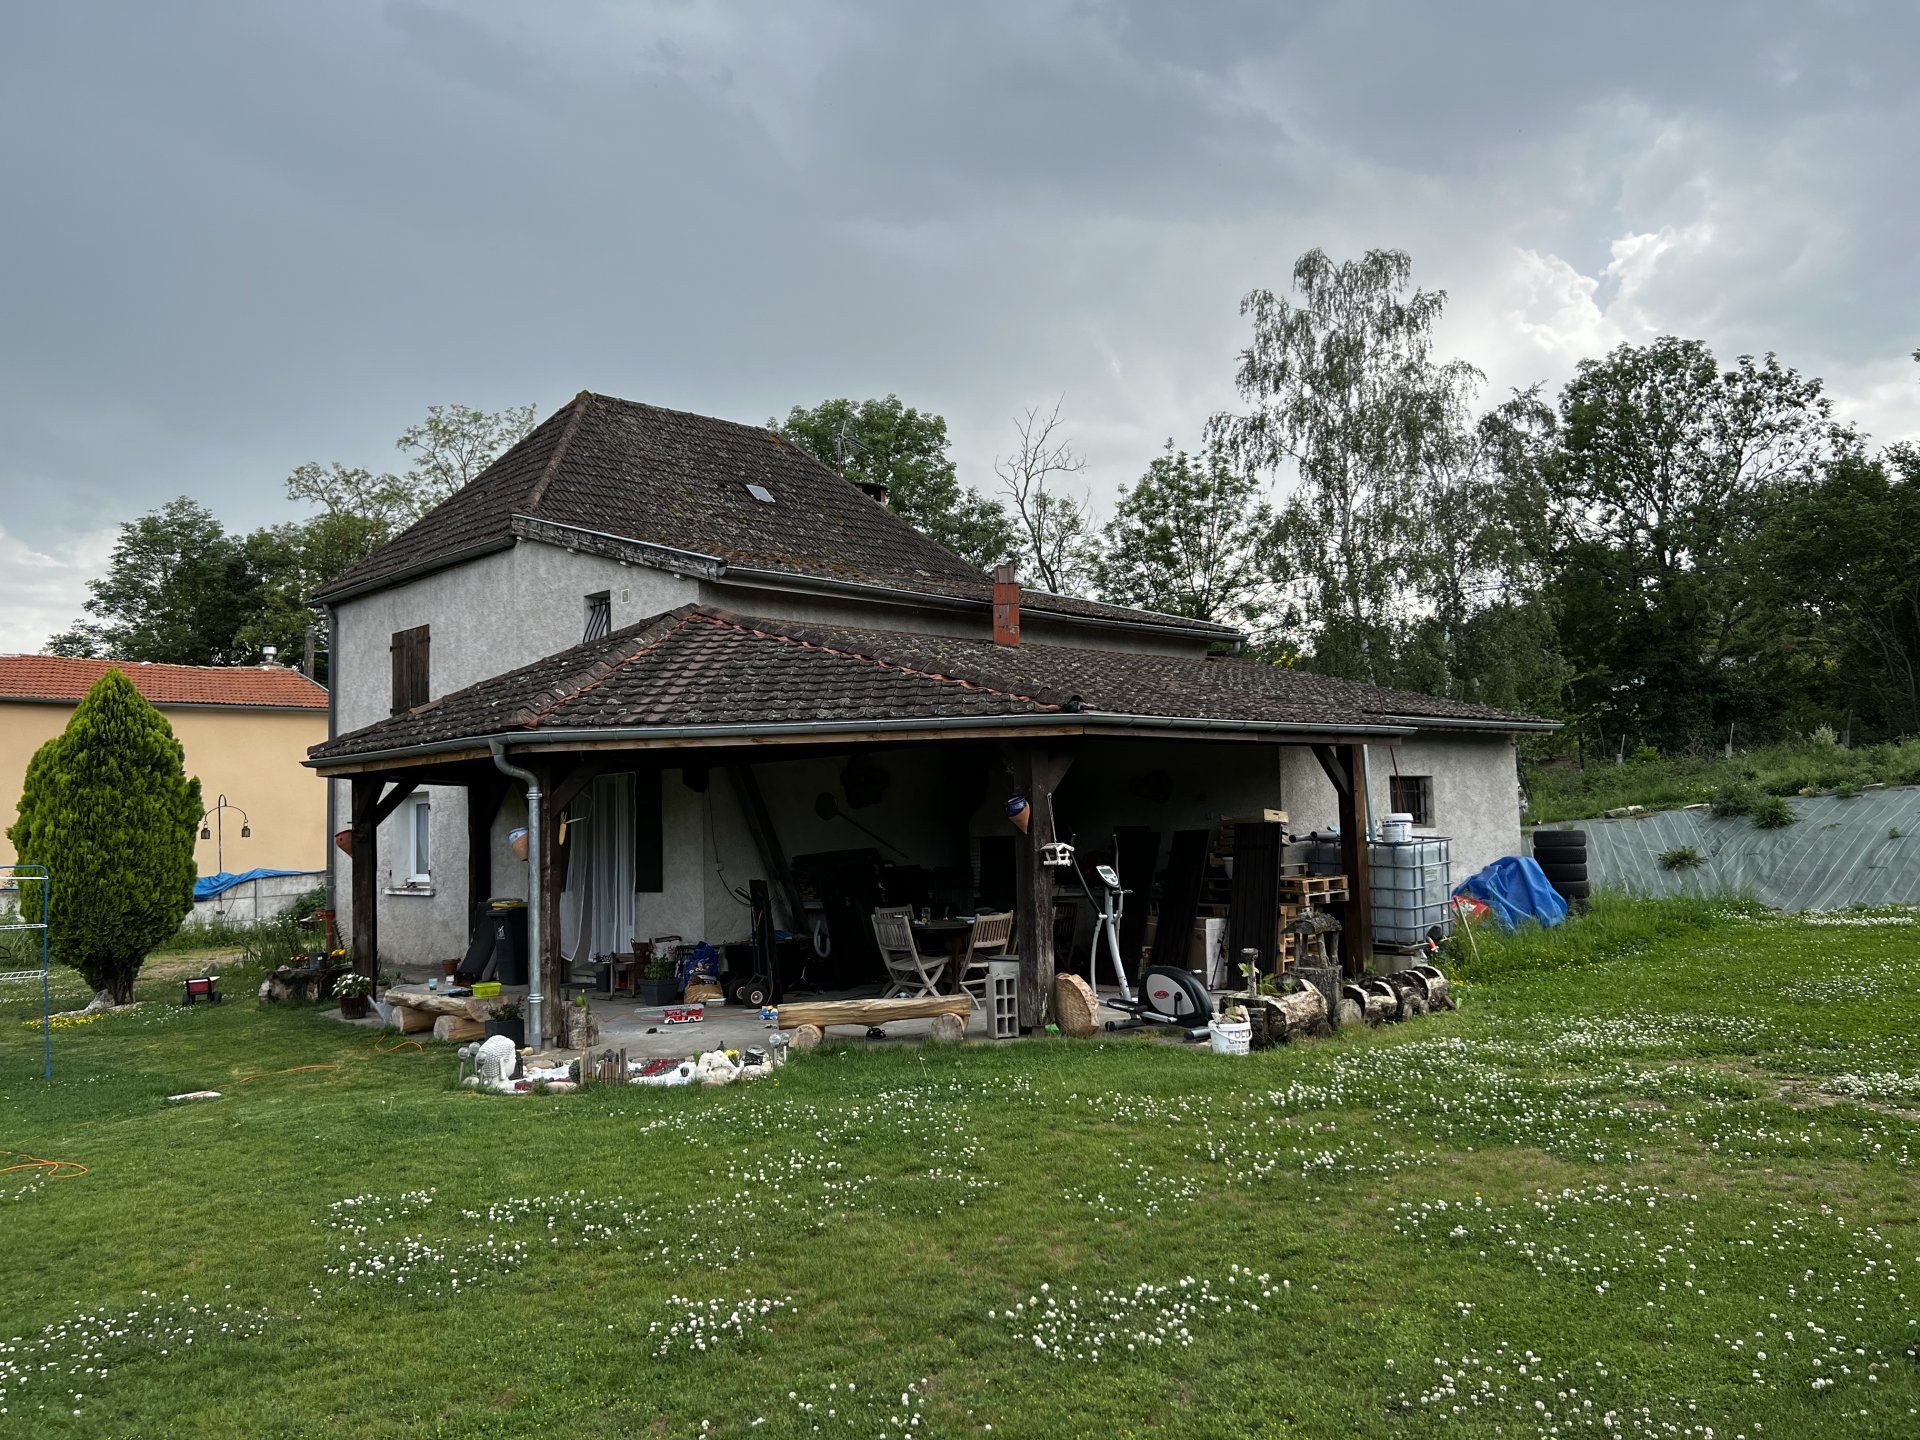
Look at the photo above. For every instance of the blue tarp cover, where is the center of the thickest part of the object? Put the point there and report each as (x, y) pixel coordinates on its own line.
(1514, 888)
(208, 886)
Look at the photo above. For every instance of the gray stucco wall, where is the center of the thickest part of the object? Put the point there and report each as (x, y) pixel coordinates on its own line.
(1476, 792)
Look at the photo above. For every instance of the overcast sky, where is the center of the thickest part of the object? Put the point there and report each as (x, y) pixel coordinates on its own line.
(240, 236)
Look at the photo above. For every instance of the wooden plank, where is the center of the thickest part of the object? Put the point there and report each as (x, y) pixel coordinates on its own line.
(872, 1012)
(483, 804)
(1253, 919)
(1136, 850)
(552, 968)
(1180, 897)
(1356, 918)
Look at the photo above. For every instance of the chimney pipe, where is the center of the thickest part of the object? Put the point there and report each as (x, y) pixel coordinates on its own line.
(1006, 605)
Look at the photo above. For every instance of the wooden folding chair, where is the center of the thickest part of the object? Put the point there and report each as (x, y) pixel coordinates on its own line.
(991, 935)
(908, 972)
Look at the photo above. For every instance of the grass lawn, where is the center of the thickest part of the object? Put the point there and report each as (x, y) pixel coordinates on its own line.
(1571, 792)
(1656, 1177)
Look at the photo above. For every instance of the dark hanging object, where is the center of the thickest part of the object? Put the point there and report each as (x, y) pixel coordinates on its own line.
(864, 782)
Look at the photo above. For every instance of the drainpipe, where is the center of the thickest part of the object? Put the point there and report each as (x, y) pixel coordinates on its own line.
(536, 960)
(1366, 771)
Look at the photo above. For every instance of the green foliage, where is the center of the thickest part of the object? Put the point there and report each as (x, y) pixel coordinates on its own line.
(888, 443)
(1570, 792)
(108, 808)
(1615, 927)
(1193, 537)
(448, 450)
(1773, 813)
(1667, 467)
(177, 591)
(1681, 857)
(1343, 387)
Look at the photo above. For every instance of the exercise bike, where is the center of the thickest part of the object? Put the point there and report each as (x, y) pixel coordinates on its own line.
(1168, 995)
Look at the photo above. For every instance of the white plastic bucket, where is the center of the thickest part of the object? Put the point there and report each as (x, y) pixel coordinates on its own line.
(1397, 830)
(1230, 1037)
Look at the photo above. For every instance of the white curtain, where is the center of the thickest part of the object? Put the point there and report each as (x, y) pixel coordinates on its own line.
(596, 908)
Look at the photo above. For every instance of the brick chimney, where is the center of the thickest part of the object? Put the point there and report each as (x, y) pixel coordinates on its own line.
(1006, 605)
(874, 490)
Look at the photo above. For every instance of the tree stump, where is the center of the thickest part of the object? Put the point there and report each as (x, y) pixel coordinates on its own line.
(1297, 1015)
(1439, 992)
(1350, 1012)
(947, 1028)
(1076, 1009)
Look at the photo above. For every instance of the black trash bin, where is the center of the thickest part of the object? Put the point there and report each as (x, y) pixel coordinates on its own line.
(509, 921)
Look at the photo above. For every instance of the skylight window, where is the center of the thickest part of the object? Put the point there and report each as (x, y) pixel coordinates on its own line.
(761, 493)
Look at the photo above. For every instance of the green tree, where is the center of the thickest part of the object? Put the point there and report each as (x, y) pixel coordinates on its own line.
(178, 589)
(292, 560)
(1344, 388)
(447, 450)
(1666, 468)
(108, 808)
(1842, 556)
(887, 443)
(1193, 537)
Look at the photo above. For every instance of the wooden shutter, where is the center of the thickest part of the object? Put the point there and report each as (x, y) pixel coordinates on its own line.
(410, 668)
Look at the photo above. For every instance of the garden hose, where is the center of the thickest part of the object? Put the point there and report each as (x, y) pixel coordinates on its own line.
(56, 1169)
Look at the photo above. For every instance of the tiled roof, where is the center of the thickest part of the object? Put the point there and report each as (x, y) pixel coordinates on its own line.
(700, 666)
(668, 478)
(54, 677)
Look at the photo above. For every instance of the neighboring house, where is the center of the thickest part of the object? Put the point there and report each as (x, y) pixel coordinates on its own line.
(695, 630)
(245, 730)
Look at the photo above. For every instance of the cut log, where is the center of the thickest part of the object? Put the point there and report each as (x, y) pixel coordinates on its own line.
(1439, 992)
(435, 1003)
(455, 1028)
(1391, 995)
(805, 1037)
(1350, 1013)
(412, 1021)
(822, 1013)
(1378, 1000)
(948, 1028)
(1076, 1009)
(1301, 1013)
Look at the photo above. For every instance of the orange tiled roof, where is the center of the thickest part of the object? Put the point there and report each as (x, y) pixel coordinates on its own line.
(54, 677)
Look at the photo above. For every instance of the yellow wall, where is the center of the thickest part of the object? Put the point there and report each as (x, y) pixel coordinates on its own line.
(252, 755)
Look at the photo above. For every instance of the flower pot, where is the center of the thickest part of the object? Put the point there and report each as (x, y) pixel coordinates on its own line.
(514, 1029)
(448, 967)
(355, 1007)
(343, 840)
(658, 992)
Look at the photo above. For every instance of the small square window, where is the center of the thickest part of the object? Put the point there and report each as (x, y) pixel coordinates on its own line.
(760, 493)
(1412, 795)
(420, 842)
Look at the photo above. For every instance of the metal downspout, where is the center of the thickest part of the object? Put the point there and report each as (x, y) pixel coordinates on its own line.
(536, 936)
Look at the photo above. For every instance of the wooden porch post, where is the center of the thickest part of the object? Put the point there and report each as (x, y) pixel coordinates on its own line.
(363, 861)
(1037, 773)
(370, 808)
(1346, 767)
(558, 790)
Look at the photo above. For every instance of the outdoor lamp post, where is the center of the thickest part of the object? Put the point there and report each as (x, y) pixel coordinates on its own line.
(219, 827)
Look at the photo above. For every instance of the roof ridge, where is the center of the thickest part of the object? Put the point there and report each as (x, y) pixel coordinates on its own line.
(801, 637)
(581, 403)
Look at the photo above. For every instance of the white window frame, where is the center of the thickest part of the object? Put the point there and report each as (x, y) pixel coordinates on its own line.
(419, 838)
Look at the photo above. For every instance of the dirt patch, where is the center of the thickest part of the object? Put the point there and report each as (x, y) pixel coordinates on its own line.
(1804, 1092)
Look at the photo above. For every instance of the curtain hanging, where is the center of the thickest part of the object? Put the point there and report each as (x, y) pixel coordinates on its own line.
(596, 907)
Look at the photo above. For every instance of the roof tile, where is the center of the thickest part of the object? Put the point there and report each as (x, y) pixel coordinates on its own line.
(56, 677)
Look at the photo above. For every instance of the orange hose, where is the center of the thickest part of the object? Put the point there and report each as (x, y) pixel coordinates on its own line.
(56, 1169)
(290, 1070)
(399, 1047)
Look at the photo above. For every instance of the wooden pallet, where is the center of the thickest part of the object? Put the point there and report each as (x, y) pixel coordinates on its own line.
(1313, 889)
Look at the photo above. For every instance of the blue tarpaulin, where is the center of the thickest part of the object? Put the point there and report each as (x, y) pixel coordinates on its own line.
(208, 886)
(1515, 888)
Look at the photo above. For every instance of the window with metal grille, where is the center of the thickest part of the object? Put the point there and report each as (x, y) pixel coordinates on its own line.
(1411, 795)
(410, 668)
(599, 616)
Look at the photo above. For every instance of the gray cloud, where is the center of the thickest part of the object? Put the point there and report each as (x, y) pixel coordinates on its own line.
(242, 236)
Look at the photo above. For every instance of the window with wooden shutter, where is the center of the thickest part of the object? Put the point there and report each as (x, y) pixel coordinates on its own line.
(409, 650)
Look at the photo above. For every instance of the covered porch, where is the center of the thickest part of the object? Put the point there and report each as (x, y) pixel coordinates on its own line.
(836, 824)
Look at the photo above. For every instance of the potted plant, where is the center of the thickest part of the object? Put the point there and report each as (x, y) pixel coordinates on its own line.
(504, 1019)
(660, 981)
(355, 993)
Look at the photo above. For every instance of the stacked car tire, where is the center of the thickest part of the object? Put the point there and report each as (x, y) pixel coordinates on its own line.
(1562, 856)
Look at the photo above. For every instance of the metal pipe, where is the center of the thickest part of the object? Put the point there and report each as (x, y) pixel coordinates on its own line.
(536, 929)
